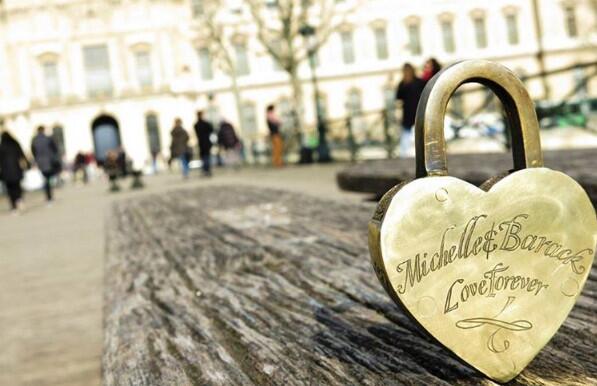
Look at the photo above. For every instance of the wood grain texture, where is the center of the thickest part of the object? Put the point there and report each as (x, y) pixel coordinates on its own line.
(378, 177)
(238, 285)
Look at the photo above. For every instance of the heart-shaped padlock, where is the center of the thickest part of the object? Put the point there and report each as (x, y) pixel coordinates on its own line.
(492, 272)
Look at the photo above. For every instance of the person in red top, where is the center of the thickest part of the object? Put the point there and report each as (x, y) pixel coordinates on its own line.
(273, 123)
(430, 68)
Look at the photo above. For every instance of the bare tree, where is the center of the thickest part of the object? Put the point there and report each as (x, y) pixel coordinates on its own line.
(279, 24)
(216, 33)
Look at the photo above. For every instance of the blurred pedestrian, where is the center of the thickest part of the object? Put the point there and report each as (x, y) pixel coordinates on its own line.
(13, 163)
(112, 169)
(430, 68)
(179, 147)
(80, 165)
(409, 92)
(123, 166)
(229, 143)
(47, 157)
(273, 124)
(204, 130)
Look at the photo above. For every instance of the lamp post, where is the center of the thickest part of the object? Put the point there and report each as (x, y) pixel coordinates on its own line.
(308, 33)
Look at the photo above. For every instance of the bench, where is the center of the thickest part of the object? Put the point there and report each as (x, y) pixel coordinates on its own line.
(241, 286)
(378, 177)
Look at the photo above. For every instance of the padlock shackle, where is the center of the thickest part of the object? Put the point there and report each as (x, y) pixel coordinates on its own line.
(430, 141)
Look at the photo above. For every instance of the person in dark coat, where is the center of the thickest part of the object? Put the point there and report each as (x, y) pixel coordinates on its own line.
(204, 130)
(12, 165)
(179, 147)
(229, 143)
(409, 92)
(47, 158)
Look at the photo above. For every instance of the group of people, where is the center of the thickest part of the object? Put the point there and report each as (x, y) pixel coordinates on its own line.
(14, 163)
(409, 92)
(228, 142)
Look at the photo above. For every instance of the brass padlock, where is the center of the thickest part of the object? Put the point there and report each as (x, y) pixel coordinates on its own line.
(492, 272)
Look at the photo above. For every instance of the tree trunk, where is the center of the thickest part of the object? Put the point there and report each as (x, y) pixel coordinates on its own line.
(297, 103)
(242, 130)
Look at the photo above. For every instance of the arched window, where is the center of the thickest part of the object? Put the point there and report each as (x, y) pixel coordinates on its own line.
(153, 133)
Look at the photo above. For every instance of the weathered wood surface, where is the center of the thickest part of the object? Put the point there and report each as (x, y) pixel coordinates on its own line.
(378, 177)
(241, 286)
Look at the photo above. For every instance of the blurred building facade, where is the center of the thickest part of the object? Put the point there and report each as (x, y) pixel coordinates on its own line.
(107, 73)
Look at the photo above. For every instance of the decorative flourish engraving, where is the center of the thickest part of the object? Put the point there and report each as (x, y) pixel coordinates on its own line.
(516, 326)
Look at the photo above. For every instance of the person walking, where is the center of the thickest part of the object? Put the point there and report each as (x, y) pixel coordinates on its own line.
(12, 165)
(273, 124)
(229, 144)
(430, 68)
(179, 147)
(409, 92)
(204, 130)
(80, 165)
(46, 155)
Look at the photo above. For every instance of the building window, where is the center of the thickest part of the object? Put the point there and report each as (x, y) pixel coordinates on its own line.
(480, 31)
(286, 113)
(512, 28)
(197, 7)
(153, 134)
(205, 66)
(448, 35)
(144, 71)
(570, 15)
(347, 47)
(97, 70)
(242, 59)
(354, 107)
(249, 117)
(51, 79)
(354, 104)
(381, 42)
(389, 96)
(414, 39)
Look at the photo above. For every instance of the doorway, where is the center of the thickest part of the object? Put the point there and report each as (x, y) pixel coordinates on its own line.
(106, 136)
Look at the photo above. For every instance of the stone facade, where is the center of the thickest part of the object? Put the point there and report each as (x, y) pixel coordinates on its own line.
(66, 63)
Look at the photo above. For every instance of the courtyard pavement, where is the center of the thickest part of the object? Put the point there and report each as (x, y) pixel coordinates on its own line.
(51, 270)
